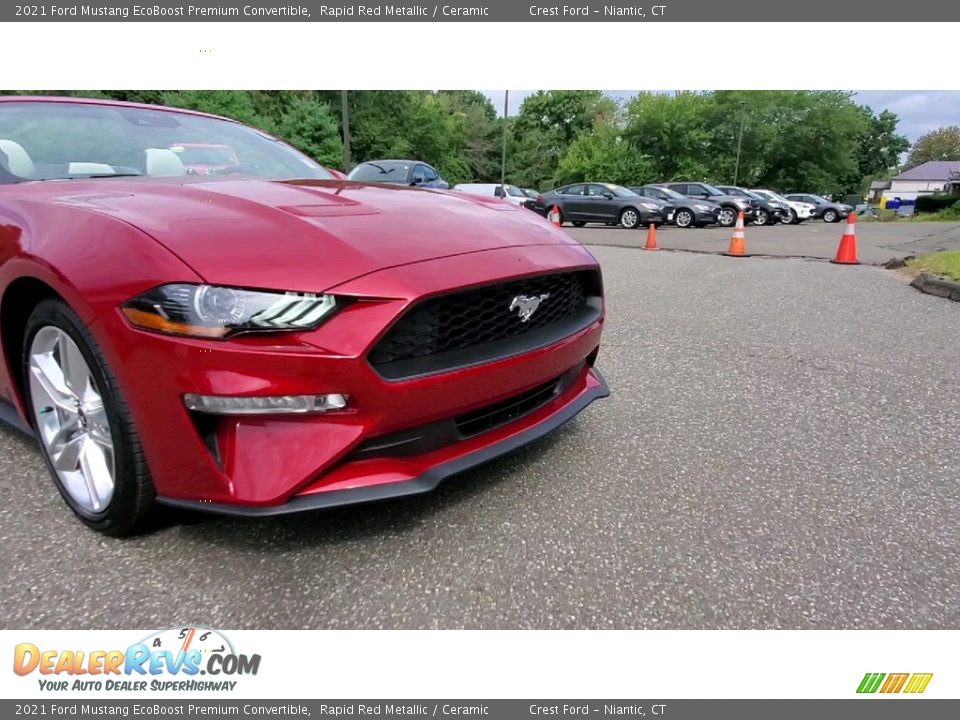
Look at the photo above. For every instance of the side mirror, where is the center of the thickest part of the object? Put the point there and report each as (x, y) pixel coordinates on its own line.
(608, 195)
(416, 181)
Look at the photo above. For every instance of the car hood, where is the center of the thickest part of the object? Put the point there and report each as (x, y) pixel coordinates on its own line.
(305, 235)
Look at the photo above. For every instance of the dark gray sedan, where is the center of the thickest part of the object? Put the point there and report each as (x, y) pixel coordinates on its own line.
(606, 203)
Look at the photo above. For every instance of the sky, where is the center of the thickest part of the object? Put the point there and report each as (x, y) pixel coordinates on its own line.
(919, 110)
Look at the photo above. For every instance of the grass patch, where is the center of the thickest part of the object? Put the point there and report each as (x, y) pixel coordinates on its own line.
(946, 263)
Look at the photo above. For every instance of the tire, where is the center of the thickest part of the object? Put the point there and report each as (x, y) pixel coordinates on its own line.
(578, 223)
(629, 218)
(101, 432)
(727, 218)
(831, 216)
(762, 218)
(684, 218)
(790, 218)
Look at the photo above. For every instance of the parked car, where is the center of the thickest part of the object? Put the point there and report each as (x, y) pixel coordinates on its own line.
(824, 209)
(581, 203)
(511, 193)
(398, 172)
(687, 212)
(730, 205)
(768, 211)
(206, 158)
(267, 344)
(530, 193)
(795, 213)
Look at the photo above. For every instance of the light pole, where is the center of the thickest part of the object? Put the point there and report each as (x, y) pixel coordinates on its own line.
(743, 120)
(503, 155)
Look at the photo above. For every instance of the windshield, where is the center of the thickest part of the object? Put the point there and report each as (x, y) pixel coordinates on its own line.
(670, 193)
(205, 154)
(820, 199)
(738, 192)
(770, 195)
(620, 191)
(59, 141)
(514, 191)
(711, 190)
(389, 172)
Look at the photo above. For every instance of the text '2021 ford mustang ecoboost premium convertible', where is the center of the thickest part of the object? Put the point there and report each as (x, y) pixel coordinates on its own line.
(262, 337)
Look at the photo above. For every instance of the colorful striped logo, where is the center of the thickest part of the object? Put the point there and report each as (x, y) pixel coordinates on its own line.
(894, 682)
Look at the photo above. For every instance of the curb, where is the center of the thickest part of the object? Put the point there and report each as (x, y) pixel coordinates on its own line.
(936, 285)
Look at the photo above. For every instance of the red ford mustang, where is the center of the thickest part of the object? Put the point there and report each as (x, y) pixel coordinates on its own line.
(267, 338)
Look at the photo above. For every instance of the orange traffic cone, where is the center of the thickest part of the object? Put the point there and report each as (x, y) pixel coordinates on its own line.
(738, 247)
(651, 238)
(554, 215)
(847, 249)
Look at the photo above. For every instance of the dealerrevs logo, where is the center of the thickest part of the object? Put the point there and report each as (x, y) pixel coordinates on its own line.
(168, 660)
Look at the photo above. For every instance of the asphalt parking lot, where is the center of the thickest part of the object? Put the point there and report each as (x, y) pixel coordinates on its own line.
(780, 451)
(877, 242)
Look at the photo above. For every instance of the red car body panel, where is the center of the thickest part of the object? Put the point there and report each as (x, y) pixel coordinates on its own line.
(100, 242)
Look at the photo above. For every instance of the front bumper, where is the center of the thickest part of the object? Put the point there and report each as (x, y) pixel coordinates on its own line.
(707, 217)
(424, 475)
(273, 464)
(657, 217)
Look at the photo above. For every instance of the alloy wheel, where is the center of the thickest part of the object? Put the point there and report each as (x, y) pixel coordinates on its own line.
(726, 218)
(762, 217)
(629, 218)
(71, 419)
(684, 219)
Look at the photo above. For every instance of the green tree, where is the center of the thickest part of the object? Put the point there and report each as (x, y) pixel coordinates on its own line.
(879, 147)
(311, 127)
(605, 155)
(674, 132)
(547, 123)
(228, 103)
(940, 144)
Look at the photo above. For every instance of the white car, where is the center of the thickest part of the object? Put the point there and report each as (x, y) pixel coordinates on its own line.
(799, 211)
(510, 193)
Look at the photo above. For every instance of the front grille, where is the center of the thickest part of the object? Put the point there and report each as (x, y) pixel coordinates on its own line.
(476, 325)
(501, 413)
(430, 437)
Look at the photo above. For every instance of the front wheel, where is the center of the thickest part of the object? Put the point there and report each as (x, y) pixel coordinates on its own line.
(85, 432)
(683, 218)
(831, 216)
(727, 217)
(762, 218)
(789, 217)
(629, 218)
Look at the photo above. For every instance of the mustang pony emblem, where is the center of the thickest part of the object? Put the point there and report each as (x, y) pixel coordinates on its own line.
(527, 305)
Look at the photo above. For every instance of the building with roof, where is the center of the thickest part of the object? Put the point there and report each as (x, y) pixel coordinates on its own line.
(932, 177)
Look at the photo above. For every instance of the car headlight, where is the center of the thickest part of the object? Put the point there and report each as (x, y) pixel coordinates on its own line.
(702, 208)
(210, 311)
(651, 206)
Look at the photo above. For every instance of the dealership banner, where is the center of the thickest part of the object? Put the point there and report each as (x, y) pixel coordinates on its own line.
(822, 12)
(595, 674)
